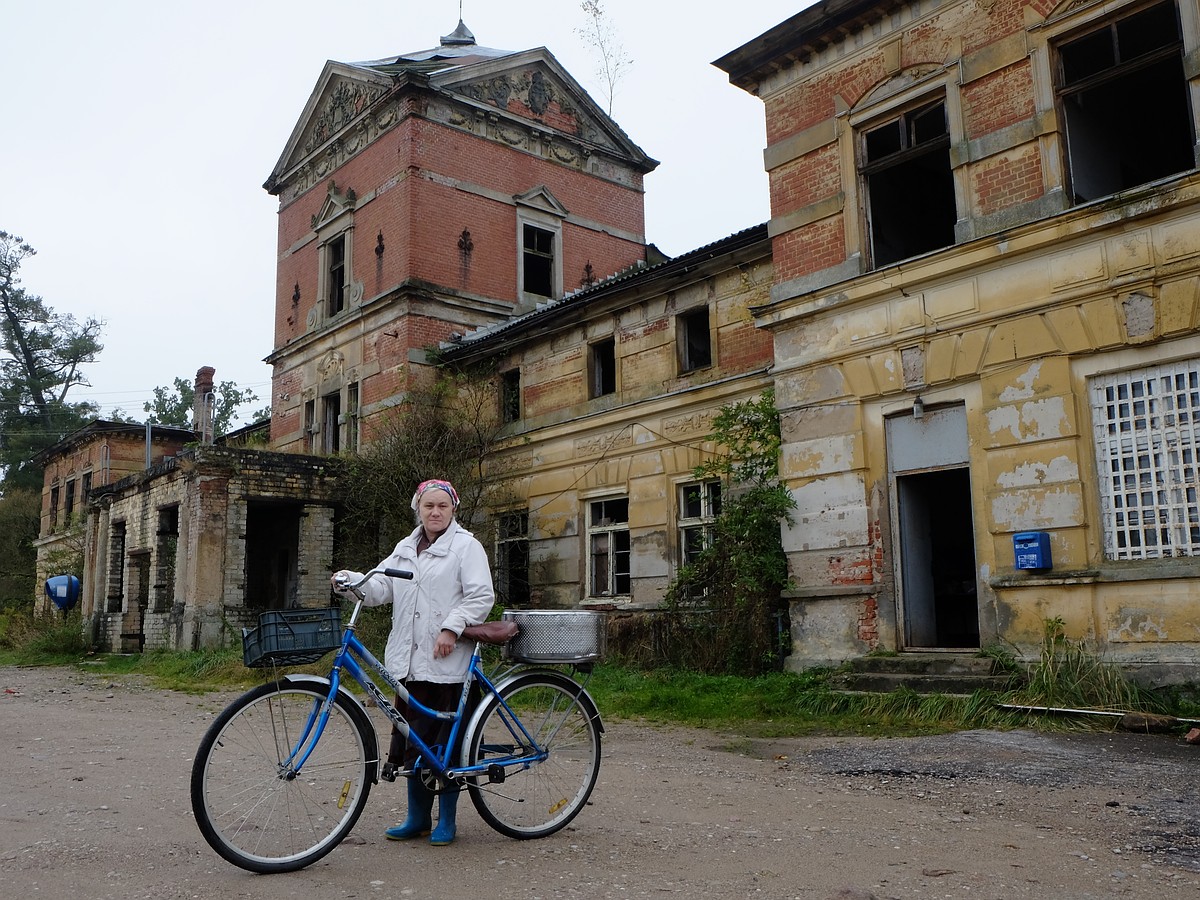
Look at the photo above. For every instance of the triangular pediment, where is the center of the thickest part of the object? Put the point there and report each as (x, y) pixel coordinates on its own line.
(336, 202)
(541, 199)
(533, 87)
(344, 95)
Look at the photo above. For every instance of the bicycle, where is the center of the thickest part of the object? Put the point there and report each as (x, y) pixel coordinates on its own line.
(284, 772)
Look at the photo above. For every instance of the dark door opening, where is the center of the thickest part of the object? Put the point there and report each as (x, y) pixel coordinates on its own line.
(272, 550)
(937, 553)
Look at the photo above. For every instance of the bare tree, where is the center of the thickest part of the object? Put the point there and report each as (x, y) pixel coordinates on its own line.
(612, 62)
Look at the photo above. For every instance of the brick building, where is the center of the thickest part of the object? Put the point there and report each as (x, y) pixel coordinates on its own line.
(430, 194)
(985, 221)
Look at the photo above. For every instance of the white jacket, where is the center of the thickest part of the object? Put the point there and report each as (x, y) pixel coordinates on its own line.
(451, 588)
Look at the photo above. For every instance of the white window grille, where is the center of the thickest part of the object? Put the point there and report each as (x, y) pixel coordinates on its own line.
(1147, 427)
(699, 505)
(608, 547)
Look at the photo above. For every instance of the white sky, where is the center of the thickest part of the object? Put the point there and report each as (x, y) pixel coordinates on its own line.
(137, 135)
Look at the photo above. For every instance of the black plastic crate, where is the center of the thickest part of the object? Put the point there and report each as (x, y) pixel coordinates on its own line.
(292, 637)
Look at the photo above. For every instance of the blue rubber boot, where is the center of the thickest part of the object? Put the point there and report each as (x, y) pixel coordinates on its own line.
(420, 809)
(447, 813)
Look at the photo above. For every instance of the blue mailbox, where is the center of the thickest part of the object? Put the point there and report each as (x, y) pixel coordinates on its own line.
(63, 590)
(1032, 550)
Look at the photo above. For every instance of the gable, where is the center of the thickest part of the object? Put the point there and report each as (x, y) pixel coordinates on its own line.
(532, 87)
(345, 95)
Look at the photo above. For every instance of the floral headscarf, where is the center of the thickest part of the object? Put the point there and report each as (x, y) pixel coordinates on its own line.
(430, 485)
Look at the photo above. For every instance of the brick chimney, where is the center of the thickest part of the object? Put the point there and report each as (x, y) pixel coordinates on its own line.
(202, 408)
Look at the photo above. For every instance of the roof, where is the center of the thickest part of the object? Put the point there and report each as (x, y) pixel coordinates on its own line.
(102, 427)
(455, 49)
(628, 279)
(799, 37)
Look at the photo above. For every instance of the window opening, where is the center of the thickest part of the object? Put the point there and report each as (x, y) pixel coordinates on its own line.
(310, 426)
(336, 284)
(909, 184)
(165, 554)
(608, 547)
(116, 567)
(331, 423)
(603, 359)
(69, 508)
(1125, 103)
(53, 507)
(538, 261)
(512, 559)
(352, 418)
(1147, 431)
(699, 506)
(695, 342)
(510, 395)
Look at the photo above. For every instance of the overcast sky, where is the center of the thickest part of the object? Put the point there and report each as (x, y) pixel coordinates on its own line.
(137, 135)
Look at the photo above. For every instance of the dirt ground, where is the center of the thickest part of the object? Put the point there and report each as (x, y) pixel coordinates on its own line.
(94, 804)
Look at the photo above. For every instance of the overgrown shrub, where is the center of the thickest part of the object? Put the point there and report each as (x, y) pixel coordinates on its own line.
(724, 612)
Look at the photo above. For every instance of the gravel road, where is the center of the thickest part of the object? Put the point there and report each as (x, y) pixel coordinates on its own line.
(94, 805)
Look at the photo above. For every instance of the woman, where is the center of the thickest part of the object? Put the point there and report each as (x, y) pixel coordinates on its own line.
(451, 588)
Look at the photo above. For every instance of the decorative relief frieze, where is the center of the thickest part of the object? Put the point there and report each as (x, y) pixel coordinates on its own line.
(342, 105)
(693, 423)
(346, 145)
(602, 443)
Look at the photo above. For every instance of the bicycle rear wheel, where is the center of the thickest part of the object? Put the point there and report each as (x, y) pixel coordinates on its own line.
(250, 808)
(525, 797)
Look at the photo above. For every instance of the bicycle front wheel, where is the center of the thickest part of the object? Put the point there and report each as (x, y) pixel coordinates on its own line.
(252, 809)
(526, 795)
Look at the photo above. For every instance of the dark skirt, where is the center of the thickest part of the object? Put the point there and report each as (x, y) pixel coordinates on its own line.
(434, 732)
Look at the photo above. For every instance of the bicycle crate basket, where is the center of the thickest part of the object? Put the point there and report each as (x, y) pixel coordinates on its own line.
(292, 637)
(556, 636)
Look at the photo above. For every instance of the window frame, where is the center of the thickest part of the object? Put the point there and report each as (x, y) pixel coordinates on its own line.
(550, 225)
(709, 492)
(510, 396)
(602, 368)
(911, 150)
(689, 324)
(331, 423)
(1146, 459)
(512, 557)
(616, 560)
(1113, 77)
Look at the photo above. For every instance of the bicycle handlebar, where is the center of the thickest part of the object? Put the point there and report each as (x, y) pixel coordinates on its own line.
(343, 582)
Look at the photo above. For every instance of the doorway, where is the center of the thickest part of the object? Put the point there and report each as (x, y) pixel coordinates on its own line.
(934, 530)
(272, 551)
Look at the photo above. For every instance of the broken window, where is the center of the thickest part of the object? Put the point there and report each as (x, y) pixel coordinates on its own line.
(311, 428)
(352, 418)
(331, 421)
(512, 559)
(165, 552)
(116, 567)
(53, 507)
(69, 508)
(908, 184)
(335, 275)
(1125, 104)
(695, 342)
(1147, 427)
(510, 395)
(608, 547)
(537, 261)
(699, 506)
(602, 361)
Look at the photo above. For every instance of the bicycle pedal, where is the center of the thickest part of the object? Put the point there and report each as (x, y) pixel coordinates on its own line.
(495, 774)
(388, 771)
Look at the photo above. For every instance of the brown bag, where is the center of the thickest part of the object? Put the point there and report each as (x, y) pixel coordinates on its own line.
(498, 632)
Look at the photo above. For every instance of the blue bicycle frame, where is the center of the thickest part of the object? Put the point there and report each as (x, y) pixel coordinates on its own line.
(440, 766)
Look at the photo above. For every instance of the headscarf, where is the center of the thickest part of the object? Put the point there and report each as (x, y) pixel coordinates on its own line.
(440, 485)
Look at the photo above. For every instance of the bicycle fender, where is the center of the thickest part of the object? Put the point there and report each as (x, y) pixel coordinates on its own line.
(354, 706)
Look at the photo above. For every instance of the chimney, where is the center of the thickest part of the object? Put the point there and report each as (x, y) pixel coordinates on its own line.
(202, 409)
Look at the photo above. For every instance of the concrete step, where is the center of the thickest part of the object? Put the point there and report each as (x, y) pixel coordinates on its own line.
(924, 673)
